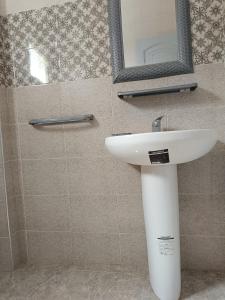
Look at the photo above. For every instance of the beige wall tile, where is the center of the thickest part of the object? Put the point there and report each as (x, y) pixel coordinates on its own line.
(140, 106)
(91, 175)
(34, 102)
(195, 177)
(202, 97)
(19, 250)
(1, 148)
(218, 172)
(219, 125)
(203, 252)
(13, 178)
(16, 213)
(88, 139)
(94, 213)
(127, 178)
(47, 213)
(134, 252)
(181, 79)
(131, 216)
(49, 247)
(218, 212)
(4, 232)
(202, 117)
(43, 142)
(8, 107)
(5, 255)
(192, 118)
(196, 214)
(10, 142)
(2, 183)
(90, 96)
(137, 123)
(96, 249)
(217, 86)
(45, 177)
(136, 115)
(132, 113)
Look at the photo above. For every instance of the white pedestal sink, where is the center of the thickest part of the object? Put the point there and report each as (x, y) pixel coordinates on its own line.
(158, 154)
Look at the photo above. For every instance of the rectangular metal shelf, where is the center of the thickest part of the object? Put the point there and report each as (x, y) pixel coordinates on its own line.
(158, 91)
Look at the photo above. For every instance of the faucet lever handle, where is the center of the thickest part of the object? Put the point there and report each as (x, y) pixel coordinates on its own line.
(159, 118)
(156, 124)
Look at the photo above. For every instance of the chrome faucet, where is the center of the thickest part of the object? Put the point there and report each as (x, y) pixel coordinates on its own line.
(156, 124)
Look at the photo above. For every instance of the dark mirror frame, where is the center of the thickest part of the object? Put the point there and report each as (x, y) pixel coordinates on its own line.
(183, 65)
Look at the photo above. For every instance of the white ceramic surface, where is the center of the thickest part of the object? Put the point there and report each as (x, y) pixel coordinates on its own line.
(160, 196)
(183, 145)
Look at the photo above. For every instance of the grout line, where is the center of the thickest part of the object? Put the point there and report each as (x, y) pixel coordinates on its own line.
(120, 249)
(79, 232)
(47, 195)
(63, 157)
(4, 238)
(49, 231)
(211, 236)
(115, 194)
(87, 233)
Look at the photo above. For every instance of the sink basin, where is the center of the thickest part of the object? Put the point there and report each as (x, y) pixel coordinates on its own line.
(158, 153)
(183, 145)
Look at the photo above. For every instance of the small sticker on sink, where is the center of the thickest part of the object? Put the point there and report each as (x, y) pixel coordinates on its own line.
(166, 245)
(159, 157)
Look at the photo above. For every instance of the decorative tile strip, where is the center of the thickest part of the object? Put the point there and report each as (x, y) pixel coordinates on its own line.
(71, 41)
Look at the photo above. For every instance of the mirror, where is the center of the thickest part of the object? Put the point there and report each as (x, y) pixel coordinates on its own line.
(149, 38)
(153, 39)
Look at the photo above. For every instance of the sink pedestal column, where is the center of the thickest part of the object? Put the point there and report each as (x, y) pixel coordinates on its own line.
(161, 211)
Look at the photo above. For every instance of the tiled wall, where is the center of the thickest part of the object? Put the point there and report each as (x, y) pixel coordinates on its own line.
(12, 234)
(82, 206)
(208, 30)
(71, 41)
(69, 200)
(57, 43)
(5, 241)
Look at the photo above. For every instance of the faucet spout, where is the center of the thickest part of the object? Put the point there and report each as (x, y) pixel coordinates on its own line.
(156, 124)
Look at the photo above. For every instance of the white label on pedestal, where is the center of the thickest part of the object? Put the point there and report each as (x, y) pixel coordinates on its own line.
(166, 245)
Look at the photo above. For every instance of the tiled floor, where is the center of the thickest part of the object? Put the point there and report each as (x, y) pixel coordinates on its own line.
(68, 283)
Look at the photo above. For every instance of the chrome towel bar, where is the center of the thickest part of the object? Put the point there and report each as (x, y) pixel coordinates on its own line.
(60, 121)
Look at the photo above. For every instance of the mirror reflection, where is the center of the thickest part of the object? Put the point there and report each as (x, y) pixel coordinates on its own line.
(149, 32)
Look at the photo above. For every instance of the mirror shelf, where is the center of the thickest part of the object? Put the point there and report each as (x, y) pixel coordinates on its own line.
(159, 91)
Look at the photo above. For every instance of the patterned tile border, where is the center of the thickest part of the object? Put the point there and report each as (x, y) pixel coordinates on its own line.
(208, 31)
(71, 41)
